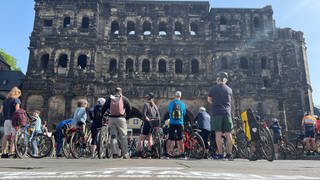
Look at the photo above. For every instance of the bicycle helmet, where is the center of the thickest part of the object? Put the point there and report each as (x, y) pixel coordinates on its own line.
(101, 101)
(274, 120)
(222, 75)
(306, 113)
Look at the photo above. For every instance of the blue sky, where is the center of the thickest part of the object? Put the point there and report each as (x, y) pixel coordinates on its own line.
(17, 16)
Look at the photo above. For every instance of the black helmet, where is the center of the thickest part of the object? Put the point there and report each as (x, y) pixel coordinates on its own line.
(222, 75)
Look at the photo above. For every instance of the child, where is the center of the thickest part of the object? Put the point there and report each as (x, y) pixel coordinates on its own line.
(80, 114)
(36, 124)
(277, 134)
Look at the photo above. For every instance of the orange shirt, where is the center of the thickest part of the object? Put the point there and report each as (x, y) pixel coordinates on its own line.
(308, 120)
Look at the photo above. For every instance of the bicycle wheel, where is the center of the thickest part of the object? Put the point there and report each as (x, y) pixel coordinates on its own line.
(132, 148)
(243, 148)
(79, 147)
(40, 146)
(299, 146)
(21, 143)
(197, 147)
(66, 149)
(289, 151)
(266, 144)
(103, 136)
(157, 145)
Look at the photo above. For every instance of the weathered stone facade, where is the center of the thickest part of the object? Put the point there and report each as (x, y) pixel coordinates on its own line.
(85, 48)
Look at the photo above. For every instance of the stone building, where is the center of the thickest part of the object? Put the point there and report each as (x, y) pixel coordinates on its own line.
(85, 48)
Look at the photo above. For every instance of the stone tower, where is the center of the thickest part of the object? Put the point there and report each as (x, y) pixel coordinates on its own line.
(85, 48)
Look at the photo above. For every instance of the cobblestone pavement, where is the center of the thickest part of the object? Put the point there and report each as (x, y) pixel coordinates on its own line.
(156, 169)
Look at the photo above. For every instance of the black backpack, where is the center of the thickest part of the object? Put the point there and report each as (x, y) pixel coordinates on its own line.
(176, 113)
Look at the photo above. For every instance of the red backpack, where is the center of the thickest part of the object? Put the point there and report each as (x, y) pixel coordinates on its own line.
(117, 107)
(19, 118)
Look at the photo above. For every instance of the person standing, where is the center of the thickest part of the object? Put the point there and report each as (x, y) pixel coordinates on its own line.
(10, 105)
(220, 97)
(151, 119)
(203, 121)
(177, 110)
(97, 121)
(118, 108)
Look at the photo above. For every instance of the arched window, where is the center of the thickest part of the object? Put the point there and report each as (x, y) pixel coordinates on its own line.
(115, 28)
(193, 29)
(145, 65)
(178, 66)
(129, 65)
(224, 63)
(223, 20)
(113, 66)
(146, 28)
(131, 28)
(162, 66)
(44, 61)
(66, 22)
(162, 29)
(178, 29)
(244, 63)
(85, 22)
(257, 22)
(194, 66)
(263, 63)
(82, 62)
(63, 61)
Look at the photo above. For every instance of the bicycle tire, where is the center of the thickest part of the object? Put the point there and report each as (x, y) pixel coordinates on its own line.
(243, 150)
(197, 147)
(21, 143)
(157, 146)
(44, 145)
(66, 149)
(103, 136)
(289, 150)
(299, 146)
(266, 143)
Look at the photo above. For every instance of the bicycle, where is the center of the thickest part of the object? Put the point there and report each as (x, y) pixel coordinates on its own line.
(156, 148)
(103, 137)
(80, 143)
(287, 149)
(254, 138)
(28, 143)
(66, 144)
(193, 143)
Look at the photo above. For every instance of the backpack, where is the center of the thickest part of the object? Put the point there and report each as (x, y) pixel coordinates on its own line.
(176, 113)
(117, 107)
(19, 118)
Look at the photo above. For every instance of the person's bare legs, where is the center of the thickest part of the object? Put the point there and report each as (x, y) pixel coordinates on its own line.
(219, 142)
(228, 136)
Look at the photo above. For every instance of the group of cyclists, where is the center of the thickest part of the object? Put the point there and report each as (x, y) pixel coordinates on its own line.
(113, 110)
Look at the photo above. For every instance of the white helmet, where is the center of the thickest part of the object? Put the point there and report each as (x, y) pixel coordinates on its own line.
(101, 101)
(274, 120)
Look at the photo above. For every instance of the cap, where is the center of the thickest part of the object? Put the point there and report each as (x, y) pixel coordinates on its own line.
(150, 96)
(202, 109)
(274, 120)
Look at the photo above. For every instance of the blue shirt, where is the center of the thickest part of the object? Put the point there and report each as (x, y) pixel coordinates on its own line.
(80, 114)
(276, 128)
(183, 110)
(37, 125)
(64, 122)
(203, 121)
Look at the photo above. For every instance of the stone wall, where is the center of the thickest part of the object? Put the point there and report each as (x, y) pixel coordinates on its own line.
(87, 48)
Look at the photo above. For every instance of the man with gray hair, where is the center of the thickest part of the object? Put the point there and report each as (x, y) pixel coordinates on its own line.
(203, 122)
(220, 97)
(177, 110)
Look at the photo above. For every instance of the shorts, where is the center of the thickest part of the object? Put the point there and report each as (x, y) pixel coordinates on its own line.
(222, 123)
(309, 131)
(175, 132)
(276, 138)
(146, 128)
(8, 128)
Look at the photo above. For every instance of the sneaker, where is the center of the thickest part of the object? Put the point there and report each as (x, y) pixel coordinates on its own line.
(169, 156)
(308, 153)
(229, 157)
(93, 156)
(4, 155)
(126, 156)
(218, 156)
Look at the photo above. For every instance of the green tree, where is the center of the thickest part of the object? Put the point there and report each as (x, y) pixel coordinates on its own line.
(12, 61)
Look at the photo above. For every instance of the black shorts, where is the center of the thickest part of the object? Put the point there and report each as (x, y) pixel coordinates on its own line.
(276, 138)
(176, 132)
(146, 128)
(309, 131)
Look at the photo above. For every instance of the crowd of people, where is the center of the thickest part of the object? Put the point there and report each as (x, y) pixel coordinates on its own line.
(116, 107)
